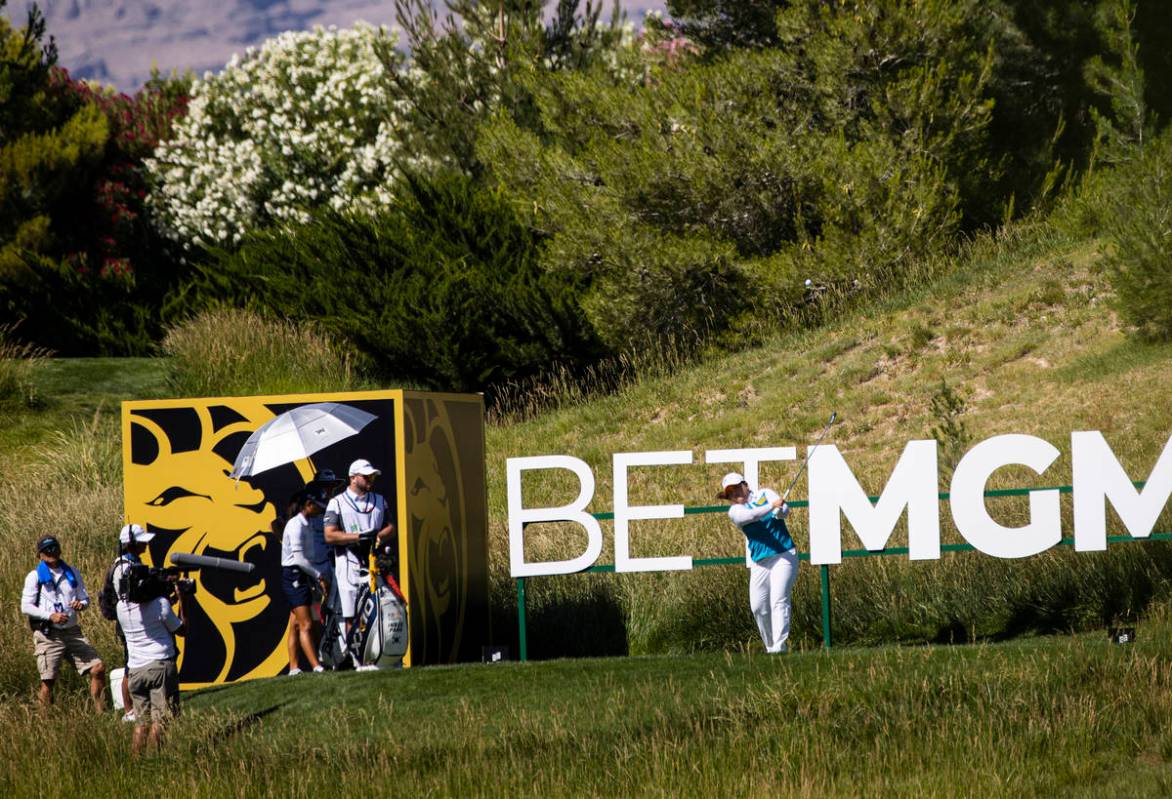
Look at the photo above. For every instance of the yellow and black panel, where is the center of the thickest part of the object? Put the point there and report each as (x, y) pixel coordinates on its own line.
(444, 492)
(177, 455)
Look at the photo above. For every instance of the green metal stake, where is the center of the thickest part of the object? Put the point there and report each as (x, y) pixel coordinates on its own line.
(825, 573)
(524, 644)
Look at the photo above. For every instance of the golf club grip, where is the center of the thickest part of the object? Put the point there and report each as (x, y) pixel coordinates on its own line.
(187, 561)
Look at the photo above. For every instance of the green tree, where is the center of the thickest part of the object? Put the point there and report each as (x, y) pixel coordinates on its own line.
(79, 267)
(443, 287)
(1139, 227)
(700, 196)
(476, 60)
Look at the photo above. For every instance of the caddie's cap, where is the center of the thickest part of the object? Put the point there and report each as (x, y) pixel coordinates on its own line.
(731, 479)
(48, 544)
(363, 467)
(141, 536)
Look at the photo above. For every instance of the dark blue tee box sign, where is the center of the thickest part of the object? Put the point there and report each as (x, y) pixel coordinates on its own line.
(494, 654)
(1123, 635)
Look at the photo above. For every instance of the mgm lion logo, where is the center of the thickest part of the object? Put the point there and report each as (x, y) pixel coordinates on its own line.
(177, 458)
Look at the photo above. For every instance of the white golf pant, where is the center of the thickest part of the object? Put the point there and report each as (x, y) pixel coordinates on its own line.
(770, 583)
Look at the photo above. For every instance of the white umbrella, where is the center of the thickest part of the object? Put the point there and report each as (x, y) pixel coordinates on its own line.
(297, 434)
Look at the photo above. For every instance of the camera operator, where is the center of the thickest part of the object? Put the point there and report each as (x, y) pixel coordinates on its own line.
(132, 543)
(150, 627)
(53, 595)
(355, 520)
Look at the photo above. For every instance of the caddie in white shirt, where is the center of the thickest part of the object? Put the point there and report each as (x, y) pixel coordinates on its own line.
(354, 520)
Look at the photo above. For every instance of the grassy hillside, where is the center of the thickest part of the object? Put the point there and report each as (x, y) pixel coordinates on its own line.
(1020, 328)
(1071, 716)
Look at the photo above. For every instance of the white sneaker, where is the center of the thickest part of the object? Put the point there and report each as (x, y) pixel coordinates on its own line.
(318, 669)
(129, 717)
(294, 672)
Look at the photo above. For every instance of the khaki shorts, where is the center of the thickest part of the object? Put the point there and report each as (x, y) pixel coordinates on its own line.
(154, 691)
(55, 645)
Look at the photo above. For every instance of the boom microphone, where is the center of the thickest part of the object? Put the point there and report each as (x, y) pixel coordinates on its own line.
(192, 562)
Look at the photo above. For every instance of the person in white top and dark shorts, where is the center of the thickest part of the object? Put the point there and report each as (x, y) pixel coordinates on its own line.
(298, 574)
(53, 595)
(355, 520)
(760, 516)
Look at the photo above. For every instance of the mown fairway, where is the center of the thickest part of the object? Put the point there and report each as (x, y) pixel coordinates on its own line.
(1070, 716)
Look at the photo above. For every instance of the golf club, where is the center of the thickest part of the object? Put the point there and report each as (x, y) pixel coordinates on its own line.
(817, 441)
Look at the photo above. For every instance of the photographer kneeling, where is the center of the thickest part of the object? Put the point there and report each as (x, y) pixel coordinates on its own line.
(150, 627)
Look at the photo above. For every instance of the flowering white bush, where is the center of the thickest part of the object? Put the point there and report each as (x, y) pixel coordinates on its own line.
(302, 122)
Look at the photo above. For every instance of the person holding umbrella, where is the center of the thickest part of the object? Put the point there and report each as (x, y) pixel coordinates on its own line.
(760, 516)
(355, 520)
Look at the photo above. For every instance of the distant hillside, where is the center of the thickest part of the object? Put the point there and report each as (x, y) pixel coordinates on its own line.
(117, 41)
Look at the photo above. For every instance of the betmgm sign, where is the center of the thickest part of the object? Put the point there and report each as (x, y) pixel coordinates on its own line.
(177, 456)
(834, 493)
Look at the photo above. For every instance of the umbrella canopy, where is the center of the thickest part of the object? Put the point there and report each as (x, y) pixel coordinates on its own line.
(297, 434)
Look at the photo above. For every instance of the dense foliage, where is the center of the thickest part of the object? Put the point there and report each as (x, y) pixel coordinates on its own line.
(80, 267)
(701, 181)
(443, 287)
(1138, 223)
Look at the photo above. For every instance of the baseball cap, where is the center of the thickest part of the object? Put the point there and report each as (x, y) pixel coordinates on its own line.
(363, 467)
(141, 536)
(48, 543)
(325, 476)
(731, 479)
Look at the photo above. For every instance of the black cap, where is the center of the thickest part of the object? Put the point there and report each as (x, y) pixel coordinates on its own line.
(326, 476)
(314, 495)
(48, 544)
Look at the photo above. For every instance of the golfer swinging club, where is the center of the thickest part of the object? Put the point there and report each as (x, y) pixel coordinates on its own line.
(760, 515)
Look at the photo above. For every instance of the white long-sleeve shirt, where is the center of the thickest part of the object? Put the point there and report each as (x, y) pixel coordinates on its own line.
(55, 597)
(764, 527)
(297, 545)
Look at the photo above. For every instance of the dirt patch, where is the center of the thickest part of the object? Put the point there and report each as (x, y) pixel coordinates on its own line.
(746, 396)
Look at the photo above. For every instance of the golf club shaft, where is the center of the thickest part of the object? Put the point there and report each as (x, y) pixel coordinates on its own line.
(809, 452)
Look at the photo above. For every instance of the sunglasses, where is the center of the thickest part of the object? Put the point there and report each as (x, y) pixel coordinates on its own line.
(52, 550)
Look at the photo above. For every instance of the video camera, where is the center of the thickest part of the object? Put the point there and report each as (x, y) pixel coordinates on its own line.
(141, 583)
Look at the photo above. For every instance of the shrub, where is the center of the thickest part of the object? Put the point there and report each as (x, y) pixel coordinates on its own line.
(233, 352)
(1139, 227)
(297, 124)
(17, 364)
(443, 288)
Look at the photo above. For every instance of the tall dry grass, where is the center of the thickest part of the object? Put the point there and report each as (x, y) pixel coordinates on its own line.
(18, 362)
(69, 487)
(230, 351)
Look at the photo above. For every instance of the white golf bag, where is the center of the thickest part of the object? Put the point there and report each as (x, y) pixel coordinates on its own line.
(378, 636)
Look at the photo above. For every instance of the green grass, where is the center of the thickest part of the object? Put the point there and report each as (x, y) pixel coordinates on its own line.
(1022, 327)
(71, 388)
(1071, 716)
